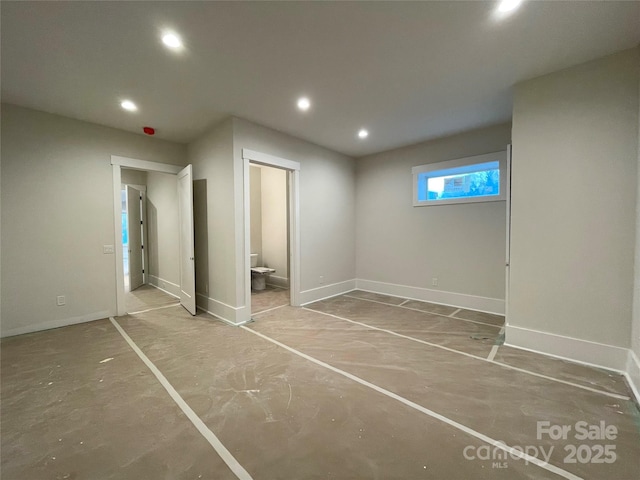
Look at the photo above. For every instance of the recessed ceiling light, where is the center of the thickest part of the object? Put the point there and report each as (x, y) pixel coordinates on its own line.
(363, 133)
(172, 40)
(507, 6)
(129, 105)
(304, 104)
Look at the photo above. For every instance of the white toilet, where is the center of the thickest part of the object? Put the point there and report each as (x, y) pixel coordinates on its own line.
(259, 274)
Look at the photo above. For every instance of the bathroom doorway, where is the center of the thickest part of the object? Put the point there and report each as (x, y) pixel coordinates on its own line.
(269, 237)
(285, 280)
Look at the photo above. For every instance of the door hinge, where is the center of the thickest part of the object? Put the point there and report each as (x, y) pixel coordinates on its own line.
(143, 270)
(140, 222)
(142, 247)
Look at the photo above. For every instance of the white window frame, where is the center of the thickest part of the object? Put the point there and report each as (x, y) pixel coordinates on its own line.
(434, 168)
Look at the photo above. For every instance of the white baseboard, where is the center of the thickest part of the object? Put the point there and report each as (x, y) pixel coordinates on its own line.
(64, 322)
(576, 350)
(460, 300)
(277, 281)
(228, 314)
(165, 285)
(633, 374)
(326, 291)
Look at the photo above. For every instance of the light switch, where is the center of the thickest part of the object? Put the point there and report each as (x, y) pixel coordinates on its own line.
(107, 249)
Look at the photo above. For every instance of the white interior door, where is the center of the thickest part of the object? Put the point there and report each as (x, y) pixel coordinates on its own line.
(134, 219)
(187, 268)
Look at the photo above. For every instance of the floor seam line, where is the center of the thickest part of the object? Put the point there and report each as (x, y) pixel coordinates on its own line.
(270, 309)
(424, 311)
(494, 349)
(226, 456)
(503, 365)
(474, 433)
(154, 308)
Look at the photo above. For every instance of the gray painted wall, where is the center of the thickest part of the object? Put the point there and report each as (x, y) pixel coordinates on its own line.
(275, 252)
(214, 222)
(57, 213)
(327, 201)
(256, 211)
(163, 227)
(635, 336)
(133, 177)
(575, 157)
(462, 245)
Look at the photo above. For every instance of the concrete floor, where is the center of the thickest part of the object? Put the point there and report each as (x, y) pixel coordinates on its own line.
(146, 297)
(270, 297)
(360, 386)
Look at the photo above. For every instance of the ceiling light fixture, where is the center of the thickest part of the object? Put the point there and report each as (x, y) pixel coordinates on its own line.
(508, 6)
(172, 40)
(363, 133)
(304, 104)
(129, 106)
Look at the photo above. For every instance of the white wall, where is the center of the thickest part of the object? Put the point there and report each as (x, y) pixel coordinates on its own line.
(575, 160)
(275, 252)
(633, 367)
(214, 222)
(57, 213)
(133, 177)
(256, 211)
(163, 231)
(400, 248)
(327, 207)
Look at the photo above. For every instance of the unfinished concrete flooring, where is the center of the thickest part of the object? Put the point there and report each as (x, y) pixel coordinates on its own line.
(360, 386)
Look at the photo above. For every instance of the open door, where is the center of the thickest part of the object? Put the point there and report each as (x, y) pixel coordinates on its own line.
(134, 221)
(187, 268)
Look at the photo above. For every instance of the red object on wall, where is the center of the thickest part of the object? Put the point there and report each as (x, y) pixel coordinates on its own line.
(148, 130)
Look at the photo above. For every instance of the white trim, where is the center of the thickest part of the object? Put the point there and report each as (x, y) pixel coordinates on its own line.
(576, 350)
(276, 281)
(226, 456)
(269, 160)
(497, 444)
(326, 291)
(164, 285)
(221, 310)
(121, 308)
(632, 374)
(453, 299)
(145, 165)
(63, 322)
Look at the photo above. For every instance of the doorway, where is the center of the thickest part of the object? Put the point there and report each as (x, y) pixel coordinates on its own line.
(269, 233)
(284, 219)
(181, 287)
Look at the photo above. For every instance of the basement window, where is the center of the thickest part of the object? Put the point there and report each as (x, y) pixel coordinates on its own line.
(481, 178)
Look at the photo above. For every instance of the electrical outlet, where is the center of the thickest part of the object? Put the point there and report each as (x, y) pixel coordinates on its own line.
(60, 300)
(107, 249)
(321, 280)
(434, 282)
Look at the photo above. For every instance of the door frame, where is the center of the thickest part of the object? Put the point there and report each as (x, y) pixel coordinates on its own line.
(507, 268)
(117, 163)
(293, 178)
